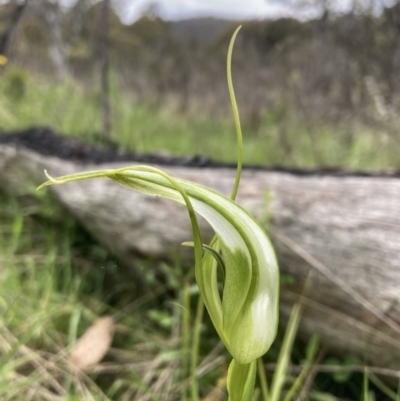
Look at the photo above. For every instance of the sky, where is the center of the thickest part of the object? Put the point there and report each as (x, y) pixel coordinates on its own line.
(131, 10)
(231, 9)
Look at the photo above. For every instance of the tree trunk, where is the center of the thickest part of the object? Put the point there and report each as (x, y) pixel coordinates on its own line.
(76, 23)
(57, 51)
(15, 18)
(345, 229)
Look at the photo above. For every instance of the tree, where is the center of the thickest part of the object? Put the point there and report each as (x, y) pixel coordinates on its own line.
(50, 14)
(15, 18)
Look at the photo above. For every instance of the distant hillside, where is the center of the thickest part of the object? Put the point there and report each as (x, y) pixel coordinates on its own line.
(202, 30)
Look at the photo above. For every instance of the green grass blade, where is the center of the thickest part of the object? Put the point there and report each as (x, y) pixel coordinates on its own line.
(263, 380)
(365, 393)
(21, 341)
(383, 387)
(311, 354)
(285, 352)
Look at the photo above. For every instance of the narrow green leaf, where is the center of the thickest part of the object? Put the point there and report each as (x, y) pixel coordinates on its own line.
(311, 354)
(382, 386)
(365, 396)
(285, 352)
(262, 379)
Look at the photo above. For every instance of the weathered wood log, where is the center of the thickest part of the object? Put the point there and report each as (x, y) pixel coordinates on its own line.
(343, 228)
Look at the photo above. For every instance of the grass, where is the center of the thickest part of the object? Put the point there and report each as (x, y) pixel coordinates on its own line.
(278, 140)
(56, 280)
(55, 283)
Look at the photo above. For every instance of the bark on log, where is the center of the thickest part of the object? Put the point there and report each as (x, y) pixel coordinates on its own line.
(345, 229)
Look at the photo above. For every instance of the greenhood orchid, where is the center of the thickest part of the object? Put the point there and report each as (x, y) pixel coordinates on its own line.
(245, 311)
(245, 316)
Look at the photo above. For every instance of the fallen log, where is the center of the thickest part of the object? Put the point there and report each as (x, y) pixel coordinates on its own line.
(343, 227)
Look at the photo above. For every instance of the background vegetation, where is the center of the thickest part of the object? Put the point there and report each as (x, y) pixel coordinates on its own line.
(317, 93)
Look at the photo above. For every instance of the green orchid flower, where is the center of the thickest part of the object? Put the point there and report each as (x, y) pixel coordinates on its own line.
(245, 314)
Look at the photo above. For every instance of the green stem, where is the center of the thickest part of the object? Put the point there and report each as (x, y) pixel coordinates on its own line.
(185, 336)
(195, 348)
(235, 116)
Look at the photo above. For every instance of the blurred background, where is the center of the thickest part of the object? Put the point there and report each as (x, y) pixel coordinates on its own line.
(317, 84)
(316, 80)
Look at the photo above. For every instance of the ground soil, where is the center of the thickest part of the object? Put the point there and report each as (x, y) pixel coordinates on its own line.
(47, 142)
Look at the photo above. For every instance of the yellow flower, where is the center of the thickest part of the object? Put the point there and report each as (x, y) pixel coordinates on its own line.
(3, 59)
